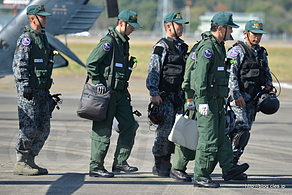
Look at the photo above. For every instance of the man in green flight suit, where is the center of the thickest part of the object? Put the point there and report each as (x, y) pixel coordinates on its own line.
(209, 80)
(98, 67)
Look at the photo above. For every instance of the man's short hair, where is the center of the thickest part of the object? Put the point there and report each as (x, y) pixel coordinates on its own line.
(214, 27)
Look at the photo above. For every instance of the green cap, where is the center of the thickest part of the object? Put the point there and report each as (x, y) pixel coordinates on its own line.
(224, 18)
(37, 10)
(130, 17)
(174, 17)
(254, 26)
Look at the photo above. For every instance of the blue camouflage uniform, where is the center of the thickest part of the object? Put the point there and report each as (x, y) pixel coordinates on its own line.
(162, 146)
(244, 116)
(34, 114)
(165, 76)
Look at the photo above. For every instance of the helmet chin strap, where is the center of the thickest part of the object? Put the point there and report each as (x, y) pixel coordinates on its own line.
(174, 31)
(125, 28)
(39, 22)
(225, 39)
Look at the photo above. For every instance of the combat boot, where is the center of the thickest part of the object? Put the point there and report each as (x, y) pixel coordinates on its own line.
(234, 171)
(22, 168)
(165, 166)
(30, 161)
(162, 166)
(157, 162)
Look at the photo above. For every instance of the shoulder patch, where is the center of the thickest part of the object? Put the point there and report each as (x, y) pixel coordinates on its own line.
(208, 53)
(25, 41)
(234, 53)
(193, 55)
(158, 50)
(106, 46)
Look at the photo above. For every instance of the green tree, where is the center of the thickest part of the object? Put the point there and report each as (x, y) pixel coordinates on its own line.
(278, 14)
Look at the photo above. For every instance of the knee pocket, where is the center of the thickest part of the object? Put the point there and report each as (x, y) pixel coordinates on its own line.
(206, 160)
(207, 147)
(104, 140)
(100, 143)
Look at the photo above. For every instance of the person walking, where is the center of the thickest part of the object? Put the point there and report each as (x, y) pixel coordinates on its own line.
(98, 65)
(209, 80)
(165, 76)
(249, 75)
(32, 68)
(183, 155)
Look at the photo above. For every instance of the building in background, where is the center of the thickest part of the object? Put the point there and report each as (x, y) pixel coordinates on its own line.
(164, 7)
(239, 18)
(10, 8)
(16, 2)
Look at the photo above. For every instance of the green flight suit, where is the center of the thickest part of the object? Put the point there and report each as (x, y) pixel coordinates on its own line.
(183, 155)
(98, 67)
(209, 80)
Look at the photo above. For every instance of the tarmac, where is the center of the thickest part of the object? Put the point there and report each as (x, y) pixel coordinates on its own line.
(66, 153)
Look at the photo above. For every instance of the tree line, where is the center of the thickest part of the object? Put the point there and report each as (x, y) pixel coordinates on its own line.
(278, 14)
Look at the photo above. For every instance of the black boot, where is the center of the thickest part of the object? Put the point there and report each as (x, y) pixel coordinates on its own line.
(180, 175)
(157, 162)
(165, 166)
(234, 171)
(162, 166)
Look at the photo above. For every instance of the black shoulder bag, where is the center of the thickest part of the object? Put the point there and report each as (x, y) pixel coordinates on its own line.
(93, 106)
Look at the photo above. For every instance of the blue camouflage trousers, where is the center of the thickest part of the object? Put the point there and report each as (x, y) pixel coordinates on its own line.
(244, 116)
(34, 121)
(162, 146)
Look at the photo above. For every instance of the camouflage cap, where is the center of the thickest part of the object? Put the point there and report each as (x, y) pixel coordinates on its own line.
(130, 17)
(174, 17)
(37, 10)
(224, 19)
(255, 27)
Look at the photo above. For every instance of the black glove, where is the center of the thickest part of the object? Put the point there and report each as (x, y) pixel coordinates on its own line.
(27, 93)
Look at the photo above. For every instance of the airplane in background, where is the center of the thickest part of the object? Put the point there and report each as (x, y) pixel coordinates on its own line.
(68, 16)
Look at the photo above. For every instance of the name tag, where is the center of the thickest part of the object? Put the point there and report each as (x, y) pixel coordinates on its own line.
(38, 60)
(220, 68)
(119, 65)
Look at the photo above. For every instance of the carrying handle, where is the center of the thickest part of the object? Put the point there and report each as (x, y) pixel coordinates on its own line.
(187, 112)
(87, 79)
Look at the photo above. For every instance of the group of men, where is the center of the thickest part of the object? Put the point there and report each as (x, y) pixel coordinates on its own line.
(177, 80)
(205, 79)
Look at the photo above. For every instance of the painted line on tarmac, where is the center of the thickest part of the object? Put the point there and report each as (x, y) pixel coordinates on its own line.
(285, 85)
(76, 98)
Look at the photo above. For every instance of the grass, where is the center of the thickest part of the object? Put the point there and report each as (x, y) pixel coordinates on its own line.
(279, 62)
(278, 58)
(83, 50)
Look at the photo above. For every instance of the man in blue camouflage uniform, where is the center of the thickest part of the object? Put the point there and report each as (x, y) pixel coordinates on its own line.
(166, 69)
(32, 67)
(249, 74)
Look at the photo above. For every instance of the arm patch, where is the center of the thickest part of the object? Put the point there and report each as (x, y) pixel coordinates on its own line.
(158, 50)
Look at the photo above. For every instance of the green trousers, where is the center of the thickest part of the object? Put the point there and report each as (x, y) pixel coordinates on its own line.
(181, 157)
(120, 108)
(213, 145)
